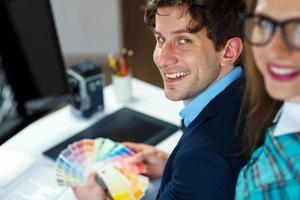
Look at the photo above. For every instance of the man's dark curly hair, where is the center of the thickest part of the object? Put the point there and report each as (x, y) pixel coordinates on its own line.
(219, 17)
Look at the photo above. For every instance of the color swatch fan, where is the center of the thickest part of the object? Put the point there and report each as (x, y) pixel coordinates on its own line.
(110, 160)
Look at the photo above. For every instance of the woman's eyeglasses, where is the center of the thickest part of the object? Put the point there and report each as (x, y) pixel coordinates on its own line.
(259, 30)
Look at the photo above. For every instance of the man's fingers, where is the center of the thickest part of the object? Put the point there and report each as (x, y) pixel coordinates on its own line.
(138, 157)
(75, 189)
(133, 146)
(92, 179)
(91, 191)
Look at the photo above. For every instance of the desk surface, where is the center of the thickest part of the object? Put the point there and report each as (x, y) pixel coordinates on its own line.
(60, 125)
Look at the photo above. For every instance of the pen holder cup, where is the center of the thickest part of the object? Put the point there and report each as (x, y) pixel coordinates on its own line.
(122, 87)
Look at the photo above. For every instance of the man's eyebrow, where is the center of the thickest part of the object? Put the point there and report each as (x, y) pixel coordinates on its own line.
(184, 30)
(156, 32)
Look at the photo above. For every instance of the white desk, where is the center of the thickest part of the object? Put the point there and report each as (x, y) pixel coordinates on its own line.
(60, 125)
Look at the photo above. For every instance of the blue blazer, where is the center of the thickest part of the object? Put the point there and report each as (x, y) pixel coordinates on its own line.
(207, 159)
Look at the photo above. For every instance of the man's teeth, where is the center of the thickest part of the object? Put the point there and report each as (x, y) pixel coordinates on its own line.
(176, 75)
(282, 71)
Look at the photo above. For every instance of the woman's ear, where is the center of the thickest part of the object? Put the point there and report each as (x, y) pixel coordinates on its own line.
(232, 51)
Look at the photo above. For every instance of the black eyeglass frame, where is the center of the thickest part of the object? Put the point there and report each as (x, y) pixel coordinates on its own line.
(275, 24)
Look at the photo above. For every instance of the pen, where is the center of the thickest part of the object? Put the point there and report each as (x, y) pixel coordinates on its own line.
(123, 66)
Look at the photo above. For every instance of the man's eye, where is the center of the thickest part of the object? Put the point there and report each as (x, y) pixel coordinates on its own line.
(184, 41)
(160, 39)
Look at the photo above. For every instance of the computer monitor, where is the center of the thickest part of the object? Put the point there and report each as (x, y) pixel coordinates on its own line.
(30, 52)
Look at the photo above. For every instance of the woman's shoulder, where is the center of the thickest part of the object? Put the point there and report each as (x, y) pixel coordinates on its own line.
(273, 167)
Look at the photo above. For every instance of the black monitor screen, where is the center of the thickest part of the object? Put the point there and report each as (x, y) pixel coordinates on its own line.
(30, 51)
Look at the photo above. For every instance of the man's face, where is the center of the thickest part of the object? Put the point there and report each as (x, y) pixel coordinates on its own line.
(188, 62)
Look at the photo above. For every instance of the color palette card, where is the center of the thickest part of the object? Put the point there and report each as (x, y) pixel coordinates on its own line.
(111, 162)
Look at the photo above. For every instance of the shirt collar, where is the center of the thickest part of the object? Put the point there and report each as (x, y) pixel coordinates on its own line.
(193, 109)
(288, 119)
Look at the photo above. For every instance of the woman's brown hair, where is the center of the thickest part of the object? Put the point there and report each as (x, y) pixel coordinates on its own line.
(258, 108)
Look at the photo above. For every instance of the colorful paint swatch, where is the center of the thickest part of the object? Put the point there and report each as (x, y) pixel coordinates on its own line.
(110, 160)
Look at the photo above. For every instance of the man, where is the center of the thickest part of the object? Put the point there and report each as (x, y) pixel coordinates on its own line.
(197, 46)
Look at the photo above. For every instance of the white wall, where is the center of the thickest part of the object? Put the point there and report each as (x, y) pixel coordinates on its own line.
(88, 26)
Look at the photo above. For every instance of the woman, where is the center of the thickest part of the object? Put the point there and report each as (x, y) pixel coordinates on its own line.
(273, 31)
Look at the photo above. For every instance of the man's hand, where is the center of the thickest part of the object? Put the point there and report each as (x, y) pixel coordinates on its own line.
(90, 191)
(153, 159)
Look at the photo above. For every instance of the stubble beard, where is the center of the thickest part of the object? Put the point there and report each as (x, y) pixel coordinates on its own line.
(187, 94)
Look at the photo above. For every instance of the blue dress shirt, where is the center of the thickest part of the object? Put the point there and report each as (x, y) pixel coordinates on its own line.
(192, 110)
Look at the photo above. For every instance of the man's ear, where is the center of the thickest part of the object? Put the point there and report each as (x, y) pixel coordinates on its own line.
(232, 51)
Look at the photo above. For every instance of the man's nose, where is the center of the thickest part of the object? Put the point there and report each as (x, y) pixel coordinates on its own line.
(167, 55)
